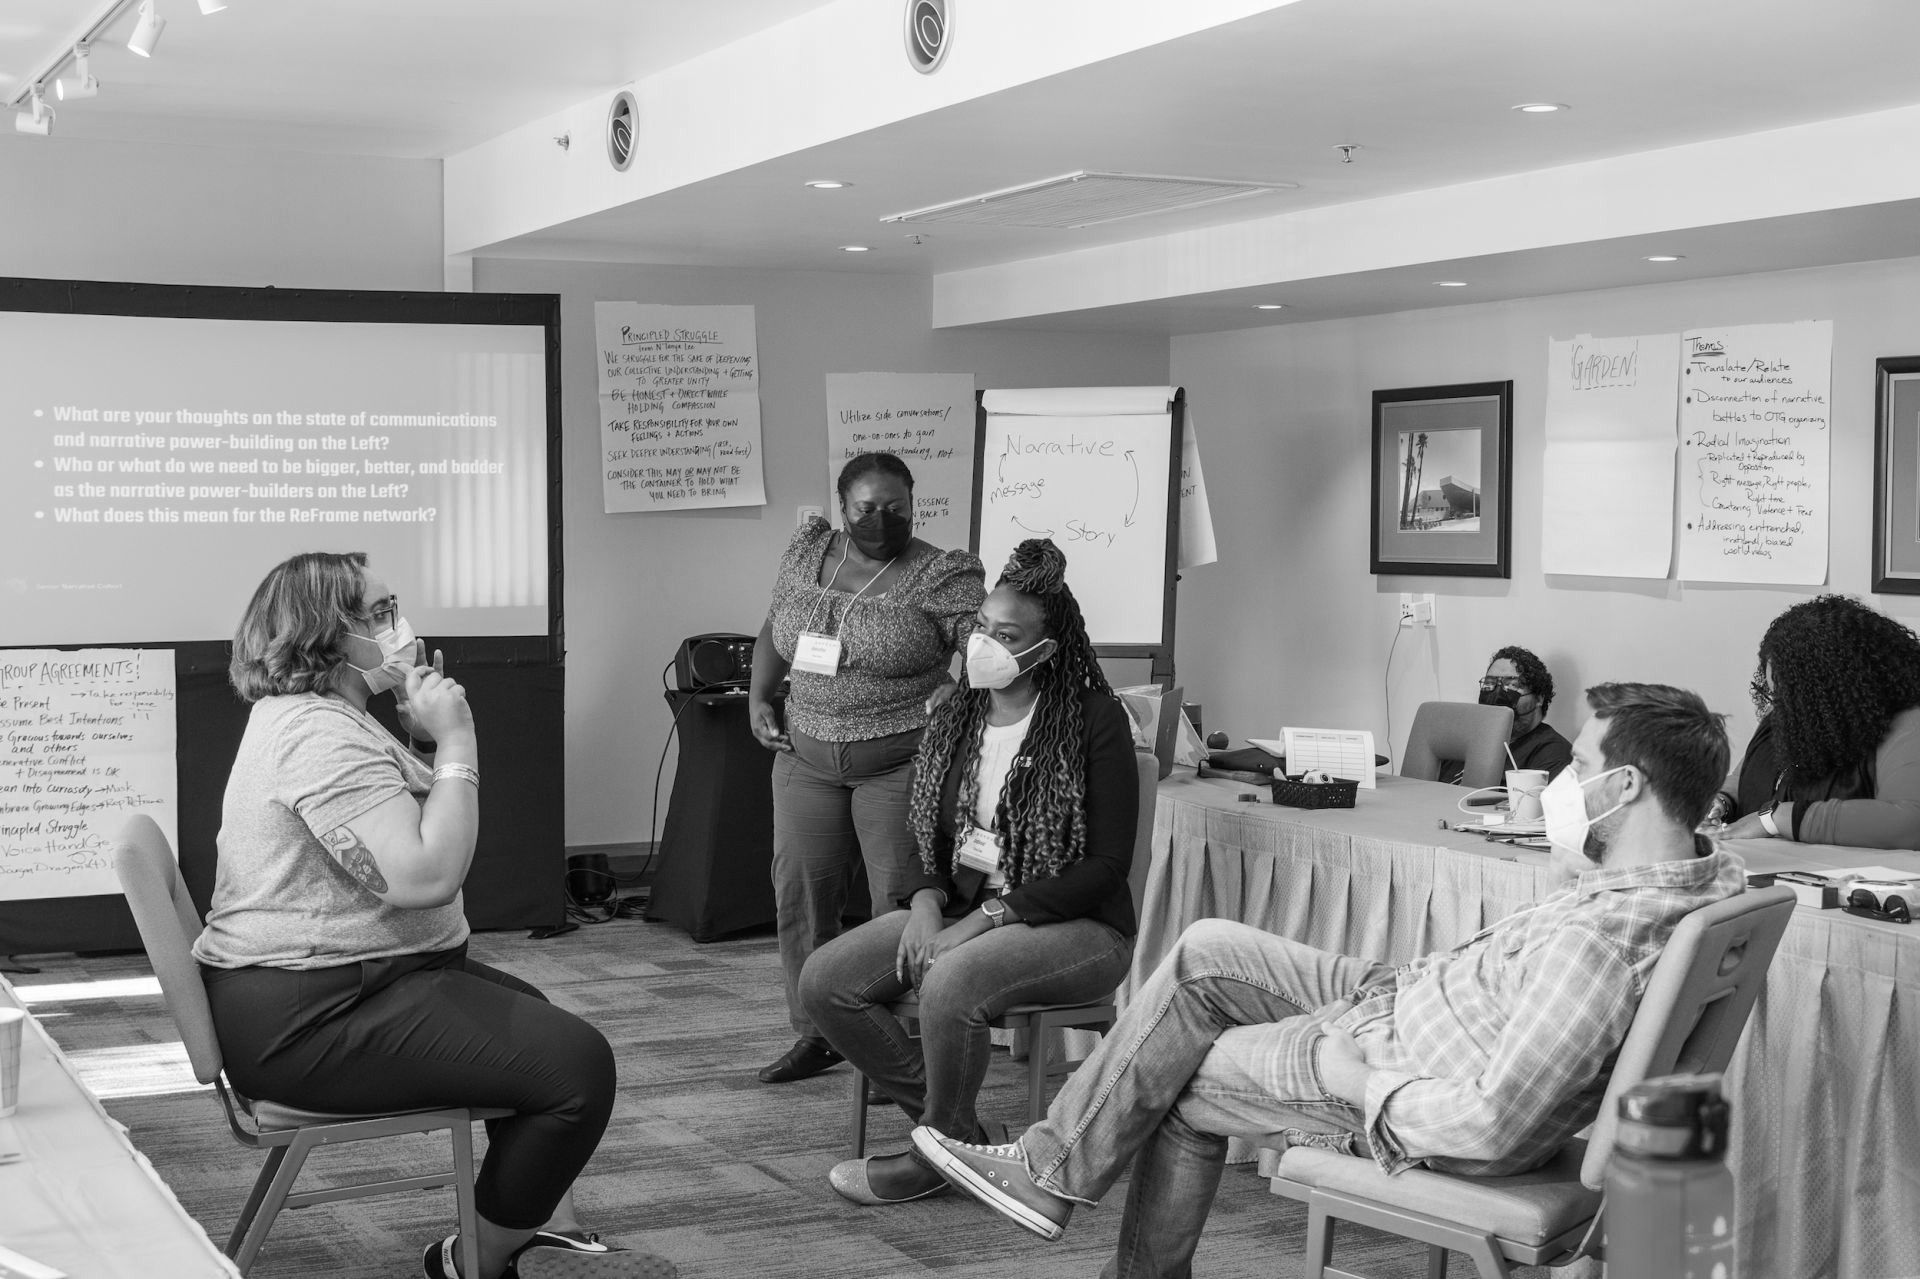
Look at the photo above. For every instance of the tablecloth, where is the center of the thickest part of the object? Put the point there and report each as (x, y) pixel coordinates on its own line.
(81, 1198)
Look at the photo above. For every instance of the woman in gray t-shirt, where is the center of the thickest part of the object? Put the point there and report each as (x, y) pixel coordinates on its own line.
(335, 951)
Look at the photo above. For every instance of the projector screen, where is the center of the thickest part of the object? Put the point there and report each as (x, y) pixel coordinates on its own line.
(153, 467)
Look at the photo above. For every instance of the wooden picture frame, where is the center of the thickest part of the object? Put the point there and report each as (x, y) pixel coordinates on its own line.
(1442, 502)
(1896, 475)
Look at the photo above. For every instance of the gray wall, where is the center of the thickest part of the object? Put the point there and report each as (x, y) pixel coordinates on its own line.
(1291, 628)
(89, 210)
(638, 583)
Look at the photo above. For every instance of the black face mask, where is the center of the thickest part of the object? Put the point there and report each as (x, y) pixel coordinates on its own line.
(881, 534)
(1502, 696)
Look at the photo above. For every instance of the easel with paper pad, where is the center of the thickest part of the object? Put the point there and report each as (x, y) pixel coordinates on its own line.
(1346, 754)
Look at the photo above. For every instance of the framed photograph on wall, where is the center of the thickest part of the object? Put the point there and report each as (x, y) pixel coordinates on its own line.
(1896, 476)
(1443, 480)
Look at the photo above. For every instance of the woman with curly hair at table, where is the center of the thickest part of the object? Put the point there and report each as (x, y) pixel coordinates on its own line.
(1024, 803)
(1836, 758)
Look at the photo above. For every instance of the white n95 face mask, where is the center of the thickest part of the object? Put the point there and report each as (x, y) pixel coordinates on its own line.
(1563, 806)
(396, 648)
(990, 664)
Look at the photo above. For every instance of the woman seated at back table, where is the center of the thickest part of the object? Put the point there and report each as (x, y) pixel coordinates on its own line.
(1025, 799)
(1836, 756)
(335, 954)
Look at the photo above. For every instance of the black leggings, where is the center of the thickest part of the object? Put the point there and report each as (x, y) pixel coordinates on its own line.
(422, 1031)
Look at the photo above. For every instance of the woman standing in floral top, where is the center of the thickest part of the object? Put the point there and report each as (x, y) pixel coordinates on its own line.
(865, 623)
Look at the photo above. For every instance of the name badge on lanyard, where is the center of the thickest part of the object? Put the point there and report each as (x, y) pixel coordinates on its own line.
(980, 851)
(816, 653)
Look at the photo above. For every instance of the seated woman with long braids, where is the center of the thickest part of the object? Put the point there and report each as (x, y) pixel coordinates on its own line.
(1836, 757)
(1023, 808)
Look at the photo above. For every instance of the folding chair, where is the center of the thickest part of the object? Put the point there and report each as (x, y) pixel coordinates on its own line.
(169, 925)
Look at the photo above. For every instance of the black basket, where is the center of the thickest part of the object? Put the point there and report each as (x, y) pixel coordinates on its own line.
(1294, 793)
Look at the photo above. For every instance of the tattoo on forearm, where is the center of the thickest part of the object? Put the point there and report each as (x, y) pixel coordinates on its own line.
(356, 859)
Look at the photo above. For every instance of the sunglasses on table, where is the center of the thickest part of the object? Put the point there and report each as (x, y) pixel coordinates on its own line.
(1889, 909)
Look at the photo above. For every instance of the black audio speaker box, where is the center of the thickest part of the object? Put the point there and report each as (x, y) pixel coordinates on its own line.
(713, 661)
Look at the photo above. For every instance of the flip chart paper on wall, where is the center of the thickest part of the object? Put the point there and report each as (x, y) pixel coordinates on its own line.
(1607, 478)
(679, 407)
(1197, 546)
(1090, 468)
(926, 419)
(1755, 408)
(89, 740)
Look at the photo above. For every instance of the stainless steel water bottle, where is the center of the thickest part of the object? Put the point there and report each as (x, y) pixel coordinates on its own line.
(1669, 1205)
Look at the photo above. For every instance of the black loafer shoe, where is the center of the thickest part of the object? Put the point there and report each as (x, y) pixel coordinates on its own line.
(807, 1058)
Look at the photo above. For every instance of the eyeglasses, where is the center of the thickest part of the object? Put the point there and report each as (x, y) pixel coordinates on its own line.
(1493, 683)
(1762, 695)
(384, 614)
(1889, 909)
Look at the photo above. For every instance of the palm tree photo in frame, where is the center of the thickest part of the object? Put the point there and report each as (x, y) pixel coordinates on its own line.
(1443, 480)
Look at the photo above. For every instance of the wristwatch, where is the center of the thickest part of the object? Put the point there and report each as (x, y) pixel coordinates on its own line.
(1767, 822)
(995, 910)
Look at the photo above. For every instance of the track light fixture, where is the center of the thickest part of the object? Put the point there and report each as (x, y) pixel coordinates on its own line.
(212, 6)
(146, 32)
(81, 84)
(36, 119)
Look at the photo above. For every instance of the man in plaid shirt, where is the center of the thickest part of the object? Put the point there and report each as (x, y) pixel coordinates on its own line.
(1483, 1059)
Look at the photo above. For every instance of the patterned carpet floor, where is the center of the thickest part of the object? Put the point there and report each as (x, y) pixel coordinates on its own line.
(702, 1163)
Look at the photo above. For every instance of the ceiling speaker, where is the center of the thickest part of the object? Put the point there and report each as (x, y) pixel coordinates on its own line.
(929, 31)
(620, 122)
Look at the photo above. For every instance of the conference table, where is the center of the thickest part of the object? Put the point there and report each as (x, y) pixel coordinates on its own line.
(79, 1198)
(1824, 1089)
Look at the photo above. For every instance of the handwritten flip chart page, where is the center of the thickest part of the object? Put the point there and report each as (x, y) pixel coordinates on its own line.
(926, 420)
(1089, 467)
(1197, 546)
(679, 407)
(1754, 416)
(1343, 753)
(86, 739)
(1607, 478)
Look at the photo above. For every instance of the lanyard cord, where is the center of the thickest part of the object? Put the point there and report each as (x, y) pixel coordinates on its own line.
(822, 597)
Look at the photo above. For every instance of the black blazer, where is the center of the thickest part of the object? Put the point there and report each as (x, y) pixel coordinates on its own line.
(1094, 887)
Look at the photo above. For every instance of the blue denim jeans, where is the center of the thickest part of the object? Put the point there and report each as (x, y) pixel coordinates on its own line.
(1220, 1042)
(850, 980)
(835, 804)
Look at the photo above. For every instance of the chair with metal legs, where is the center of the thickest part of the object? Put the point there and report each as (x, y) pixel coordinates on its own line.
(169, 925)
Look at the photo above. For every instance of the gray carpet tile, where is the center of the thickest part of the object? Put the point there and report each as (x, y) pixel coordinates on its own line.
(701, 1162)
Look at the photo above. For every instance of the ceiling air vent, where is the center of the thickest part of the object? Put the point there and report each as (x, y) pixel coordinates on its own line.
(929, 32)
(1086, 199)
(620, 130)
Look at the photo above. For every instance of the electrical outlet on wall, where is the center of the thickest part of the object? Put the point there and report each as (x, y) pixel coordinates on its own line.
(1422, 610)
(1406, 608)
(807, 512)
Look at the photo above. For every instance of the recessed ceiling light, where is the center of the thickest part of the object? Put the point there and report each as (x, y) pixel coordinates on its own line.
(827, 184)
(1665, 257)
(1269, 306)
(1542, 108)
(856, 248)
(1451, 284)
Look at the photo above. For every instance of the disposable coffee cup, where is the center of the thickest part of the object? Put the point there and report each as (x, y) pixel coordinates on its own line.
(13, 1024)
(1523, 793)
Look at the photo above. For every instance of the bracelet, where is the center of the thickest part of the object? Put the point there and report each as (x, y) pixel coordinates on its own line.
(1766, 822)
(465, 772)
